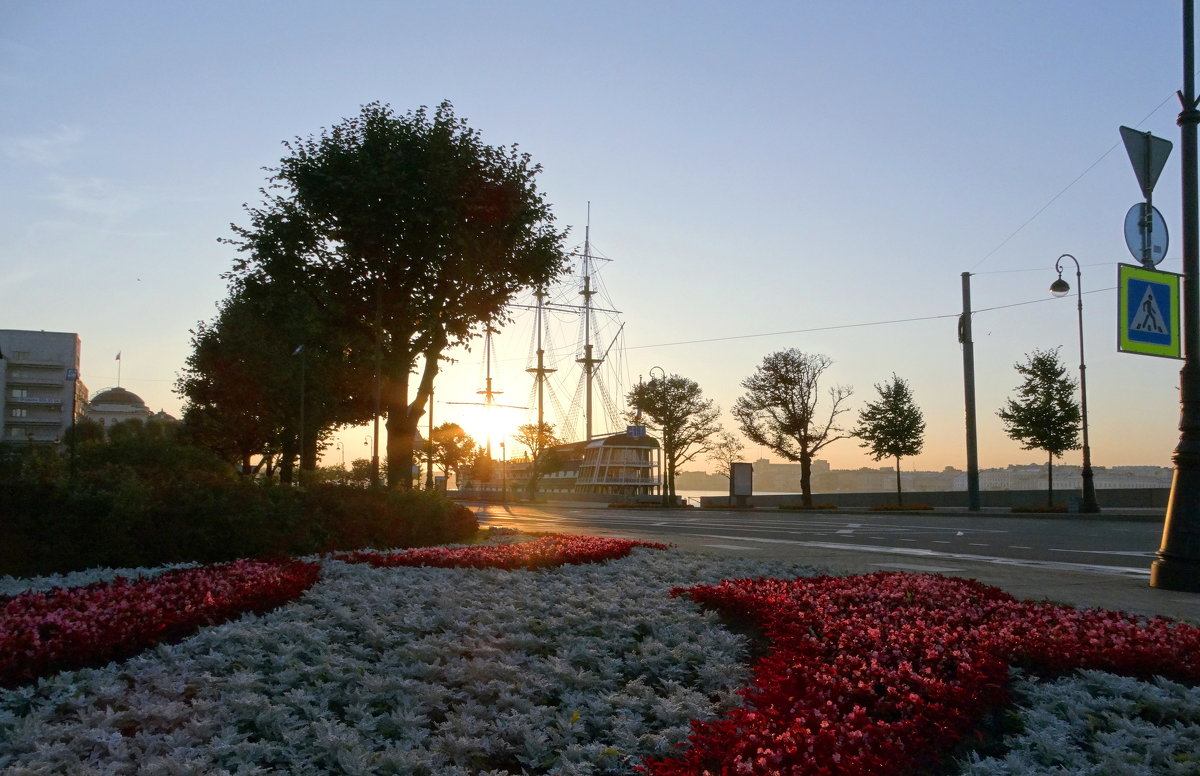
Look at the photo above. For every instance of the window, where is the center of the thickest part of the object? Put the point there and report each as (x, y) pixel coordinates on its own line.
(19, 393)
(20, 412)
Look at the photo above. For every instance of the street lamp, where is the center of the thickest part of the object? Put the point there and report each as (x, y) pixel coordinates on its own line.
(662, 469)
(503, 474)
(1060, 288)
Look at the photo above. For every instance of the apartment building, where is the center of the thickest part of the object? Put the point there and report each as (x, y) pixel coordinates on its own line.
(41, 394)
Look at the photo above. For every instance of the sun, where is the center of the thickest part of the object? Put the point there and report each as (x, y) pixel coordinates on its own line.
(494, 425)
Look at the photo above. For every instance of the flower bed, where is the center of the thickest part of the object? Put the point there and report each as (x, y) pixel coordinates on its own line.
(887, 672)
(545, 552)
(46, 631)
(593, 669)
(582, 669)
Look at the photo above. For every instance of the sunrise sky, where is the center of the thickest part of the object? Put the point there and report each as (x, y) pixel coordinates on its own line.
(760, 175)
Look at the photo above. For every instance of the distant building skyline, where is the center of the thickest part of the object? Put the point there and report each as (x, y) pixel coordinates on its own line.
(785, 478)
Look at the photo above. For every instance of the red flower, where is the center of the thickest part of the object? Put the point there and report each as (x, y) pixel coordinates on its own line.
(885, 673)
(547, 551)
(44, 632)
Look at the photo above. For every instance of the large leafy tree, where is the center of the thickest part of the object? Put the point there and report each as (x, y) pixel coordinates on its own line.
(268, 379)
(229, 403)
(1044, 414)
(675, 407)
(410, 235)
(893, 426)
(780, 409)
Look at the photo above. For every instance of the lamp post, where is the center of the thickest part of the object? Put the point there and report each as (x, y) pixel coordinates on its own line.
(503, 474)
(1178, 563)
(662, 469)
(1061, 287)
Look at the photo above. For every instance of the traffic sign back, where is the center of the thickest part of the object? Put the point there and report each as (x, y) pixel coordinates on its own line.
(1148, 154)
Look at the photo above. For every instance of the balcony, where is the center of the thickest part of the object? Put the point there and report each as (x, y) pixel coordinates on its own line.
(41, 401)
(38, 421)
(21, 379)
(617, 480)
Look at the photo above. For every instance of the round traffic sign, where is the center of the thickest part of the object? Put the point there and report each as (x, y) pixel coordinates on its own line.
(1146, 234)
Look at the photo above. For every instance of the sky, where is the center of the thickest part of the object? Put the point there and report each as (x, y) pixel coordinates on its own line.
(758, 176)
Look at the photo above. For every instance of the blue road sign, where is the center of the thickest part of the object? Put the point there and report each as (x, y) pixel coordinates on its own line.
(1148, 312)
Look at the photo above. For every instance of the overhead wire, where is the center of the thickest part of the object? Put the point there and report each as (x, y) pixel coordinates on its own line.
(854, 325)
(1066, 188)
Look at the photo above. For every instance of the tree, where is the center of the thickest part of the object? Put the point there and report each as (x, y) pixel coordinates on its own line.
(893, 427)
(451, 446)
(779, 409)
(1044, 415)
(269, 378)
(410, 235)
(725, 451)
(676, 408)
(229, 406)
(539, 439)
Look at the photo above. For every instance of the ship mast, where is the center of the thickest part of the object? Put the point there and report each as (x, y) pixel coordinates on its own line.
(488, 393)
(589, 363)
(540, 371)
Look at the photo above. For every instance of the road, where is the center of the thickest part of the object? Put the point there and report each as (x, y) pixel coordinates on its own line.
(1085, 562)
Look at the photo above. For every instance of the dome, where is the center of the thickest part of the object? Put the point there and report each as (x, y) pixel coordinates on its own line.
(118, 396)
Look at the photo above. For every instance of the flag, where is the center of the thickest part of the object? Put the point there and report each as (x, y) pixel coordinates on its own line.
(118, 358)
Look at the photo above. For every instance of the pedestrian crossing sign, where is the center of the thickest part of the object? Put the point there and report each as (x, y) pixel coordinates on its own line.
(1148, 319)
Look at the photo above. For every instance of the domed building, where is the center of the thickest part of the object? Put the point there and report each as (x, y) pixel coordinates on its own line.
(114, 405)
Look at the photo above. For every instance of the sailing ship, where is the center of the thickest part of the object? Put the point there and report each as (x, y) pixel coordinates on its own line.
(606, 457)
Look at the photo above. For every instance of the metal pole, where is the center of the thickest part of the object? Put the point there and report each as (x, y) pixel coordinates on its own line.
(1178, 564)
(964, 336)
(429, 445)
(303, 365)
(1089, 504)
(378, 381)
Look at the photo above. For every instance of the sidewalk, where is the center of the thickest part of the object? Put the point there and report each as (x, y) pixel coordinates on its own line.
(1127, 591)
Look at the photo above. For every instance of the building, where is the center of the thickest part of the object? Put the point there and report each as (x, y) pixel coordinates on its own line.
(114, 405)
(619, 465)
(41, 394)
(624, 465)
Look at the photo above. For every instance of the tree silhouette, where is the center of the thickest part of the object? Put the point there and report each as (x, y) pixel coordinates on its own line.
(779, 409)
(892, 427)
(1044, 414)
(411, 235)
(675, 407)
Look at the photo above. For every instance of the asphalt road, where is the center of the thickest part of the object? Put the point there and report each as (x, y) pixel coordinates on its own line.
(1085, 562)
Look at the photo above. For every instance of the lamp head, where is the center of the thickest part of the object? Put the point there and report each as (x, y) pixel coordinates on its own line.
(1060, 287)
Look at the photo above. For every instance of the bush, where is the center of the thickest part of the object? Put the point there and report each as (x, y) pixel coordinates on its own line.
(145, 497)
(54, 528)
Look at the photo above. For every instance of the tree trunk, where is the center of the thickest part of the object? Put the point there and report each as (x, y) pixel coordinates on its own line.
(286, 465)
(404, 417)
(899, 494)
(1050, 482)
(806, 479)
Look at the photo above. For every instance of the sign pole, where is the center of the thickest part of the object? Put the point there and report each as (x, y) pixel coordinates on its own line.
(1178, 563)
